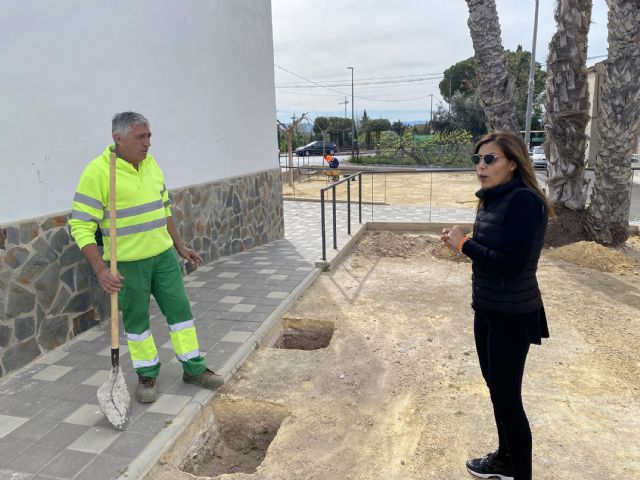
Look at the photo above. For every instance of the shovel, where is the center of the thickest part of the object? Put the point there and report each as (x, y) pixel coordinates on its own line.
(113, 396)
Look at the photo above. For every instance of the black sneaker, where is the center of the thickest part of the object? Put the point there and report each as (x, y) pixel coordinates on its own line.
(491, 466)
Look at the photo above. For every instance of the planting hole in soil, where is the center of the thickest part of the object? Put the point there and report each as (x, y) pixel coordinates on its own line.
(301, 334)
(238, 440)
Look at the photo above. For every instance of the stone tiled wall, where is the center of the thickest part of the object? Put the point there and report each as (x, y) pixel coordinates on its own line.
(47, 295)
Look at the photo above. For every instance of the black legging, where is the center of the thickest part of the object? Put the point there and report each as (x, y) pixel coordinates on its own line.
(502, 346)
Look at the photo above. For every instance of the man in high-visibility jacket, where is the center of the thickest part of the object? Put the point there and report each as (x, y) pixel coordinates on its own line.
(147, 264)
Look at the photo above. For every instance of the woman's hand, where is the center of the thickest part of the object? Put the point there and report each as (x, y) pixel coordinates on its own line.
(451, 236)
(190, 256)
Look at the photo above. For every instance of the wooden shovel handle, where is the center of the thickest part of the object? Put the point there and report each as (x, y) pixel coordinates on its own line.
(115, 343)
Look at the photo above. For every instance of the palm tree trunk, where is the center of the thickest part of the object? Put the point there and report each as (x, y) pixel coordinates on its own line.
(496, 89)
(618, 126)
(567, 105)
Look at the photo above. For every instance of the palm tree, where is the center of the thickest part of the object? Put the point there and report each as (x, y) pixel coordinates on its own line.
(567, 106)
(496, 90)
(618, 126)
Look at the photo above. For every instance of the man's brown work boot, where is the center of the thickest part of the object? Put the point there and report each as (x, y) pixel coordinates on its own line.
(207, 379)
(147, 390)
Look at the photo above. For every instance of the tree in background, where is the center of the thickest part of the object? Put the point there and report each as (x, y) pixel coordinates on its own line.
(618, 126)
(465, 83)
(377, 126)
(365, 134)
(288, 132)
(398, 127)
(496, 89)
(567, 109)
(333, 129)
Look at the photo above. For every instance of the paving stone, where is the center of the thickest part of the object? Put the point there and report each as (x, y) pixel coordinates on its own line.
(8, 423)
(33, 458)
(32, 430)
(68, 464)
(151, 423)
(87, 415)
(104, 467)
(169, 404)
(129, 445)
(52, 373)
(62, 435)
(10, 448)
(94, 440)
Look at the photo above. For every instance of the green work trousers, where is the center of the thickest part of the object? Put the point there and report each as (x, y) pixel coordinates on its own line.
(161, 277)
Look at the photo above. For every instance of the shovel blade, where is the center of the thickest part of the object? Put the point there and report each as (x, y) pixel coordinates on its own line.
(114, 399)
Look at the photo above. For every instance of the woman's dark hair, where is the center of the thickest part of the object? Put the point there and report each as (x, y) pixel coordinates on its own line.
(514, 149)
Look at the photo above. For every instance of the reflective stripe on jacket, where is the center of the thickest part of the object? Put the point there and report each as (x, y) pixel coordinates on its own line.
(142, 205)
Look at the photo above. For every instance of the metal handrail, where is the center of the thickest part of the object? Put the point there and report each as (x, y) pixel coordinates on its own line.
(332, 187)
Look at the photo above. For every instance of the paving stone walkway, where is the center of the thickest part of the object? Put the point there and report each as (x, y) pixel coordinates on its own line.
(50, 424)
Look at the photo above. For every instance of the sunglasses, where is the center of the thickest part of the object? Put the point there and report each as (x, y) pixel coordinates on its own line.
(488, 158)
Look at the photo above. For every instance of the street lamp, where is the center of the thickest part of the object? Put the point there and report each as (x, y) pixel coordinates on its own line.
(532, 73)
(353, 120)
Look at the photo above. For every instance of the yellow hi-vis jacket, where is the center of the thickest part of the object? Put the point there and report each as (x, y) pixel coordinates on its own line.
(142, 208)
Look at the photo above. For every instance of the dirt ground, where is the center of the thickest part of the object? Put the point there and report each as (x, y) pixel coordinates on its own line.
(446, 190)
(398, 394)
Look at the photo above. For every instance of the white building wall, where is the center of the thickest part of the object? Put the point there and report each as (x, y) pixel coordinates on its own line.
(200, 70)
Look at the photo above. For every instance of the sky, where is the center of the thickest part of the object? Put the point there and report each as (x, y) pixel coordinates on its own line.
(398, 51)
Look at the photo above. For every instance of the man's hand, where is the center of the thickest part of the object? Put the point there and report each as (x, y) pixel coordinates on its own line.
(110, 283)
(190, 256)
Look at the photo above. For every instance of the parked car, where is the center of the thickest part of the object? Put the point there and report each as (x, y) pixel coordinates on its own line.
(538, 158)
(317, 148)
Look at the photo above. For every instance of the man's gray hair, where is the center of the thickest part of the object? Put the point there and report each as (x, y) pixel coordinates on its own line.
(123, 122)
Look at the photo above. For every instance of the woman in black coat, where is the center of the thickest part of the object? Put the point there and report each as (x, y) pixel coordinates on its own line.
(507, 239)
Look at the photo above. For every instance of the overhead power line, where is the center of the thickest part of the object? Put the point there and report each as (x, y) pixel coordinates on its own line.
(318, 85)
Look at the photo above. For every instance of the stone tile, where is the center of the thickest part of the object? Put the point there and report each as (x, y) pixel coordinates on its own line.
(243, 307)
(10, 448)
(228, 275)
(278, 277)
(278, 295)
(68, 464)
(229, 286)
(104, 467)
(95, 440)
(52, 357)
(62, 435)
(61, 408)
(194, 284)
(231, 299)
(33, 458)
(82, 394)
(29, 406)
(266, 271)
(129, 445)
(97, 378)
(169, 404)
(90, 335)
(151, 423)
(32, 430)
(9, 423)
(87, 415)
(236, 337)
(205, 269)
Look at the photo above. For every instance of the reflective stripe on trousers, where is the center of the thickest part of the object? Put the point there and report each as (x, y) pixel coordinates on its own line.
(142, 349)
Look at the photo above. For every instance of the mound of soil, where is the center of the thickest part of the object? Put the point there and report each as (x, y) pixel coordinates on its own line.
(405, 245)
(597, 257)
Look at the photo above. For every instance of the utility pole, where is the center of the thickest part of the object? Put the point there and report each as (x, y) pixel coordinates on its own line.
(431, 115)
(345, 106)
(532, 72)
(353, 119)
